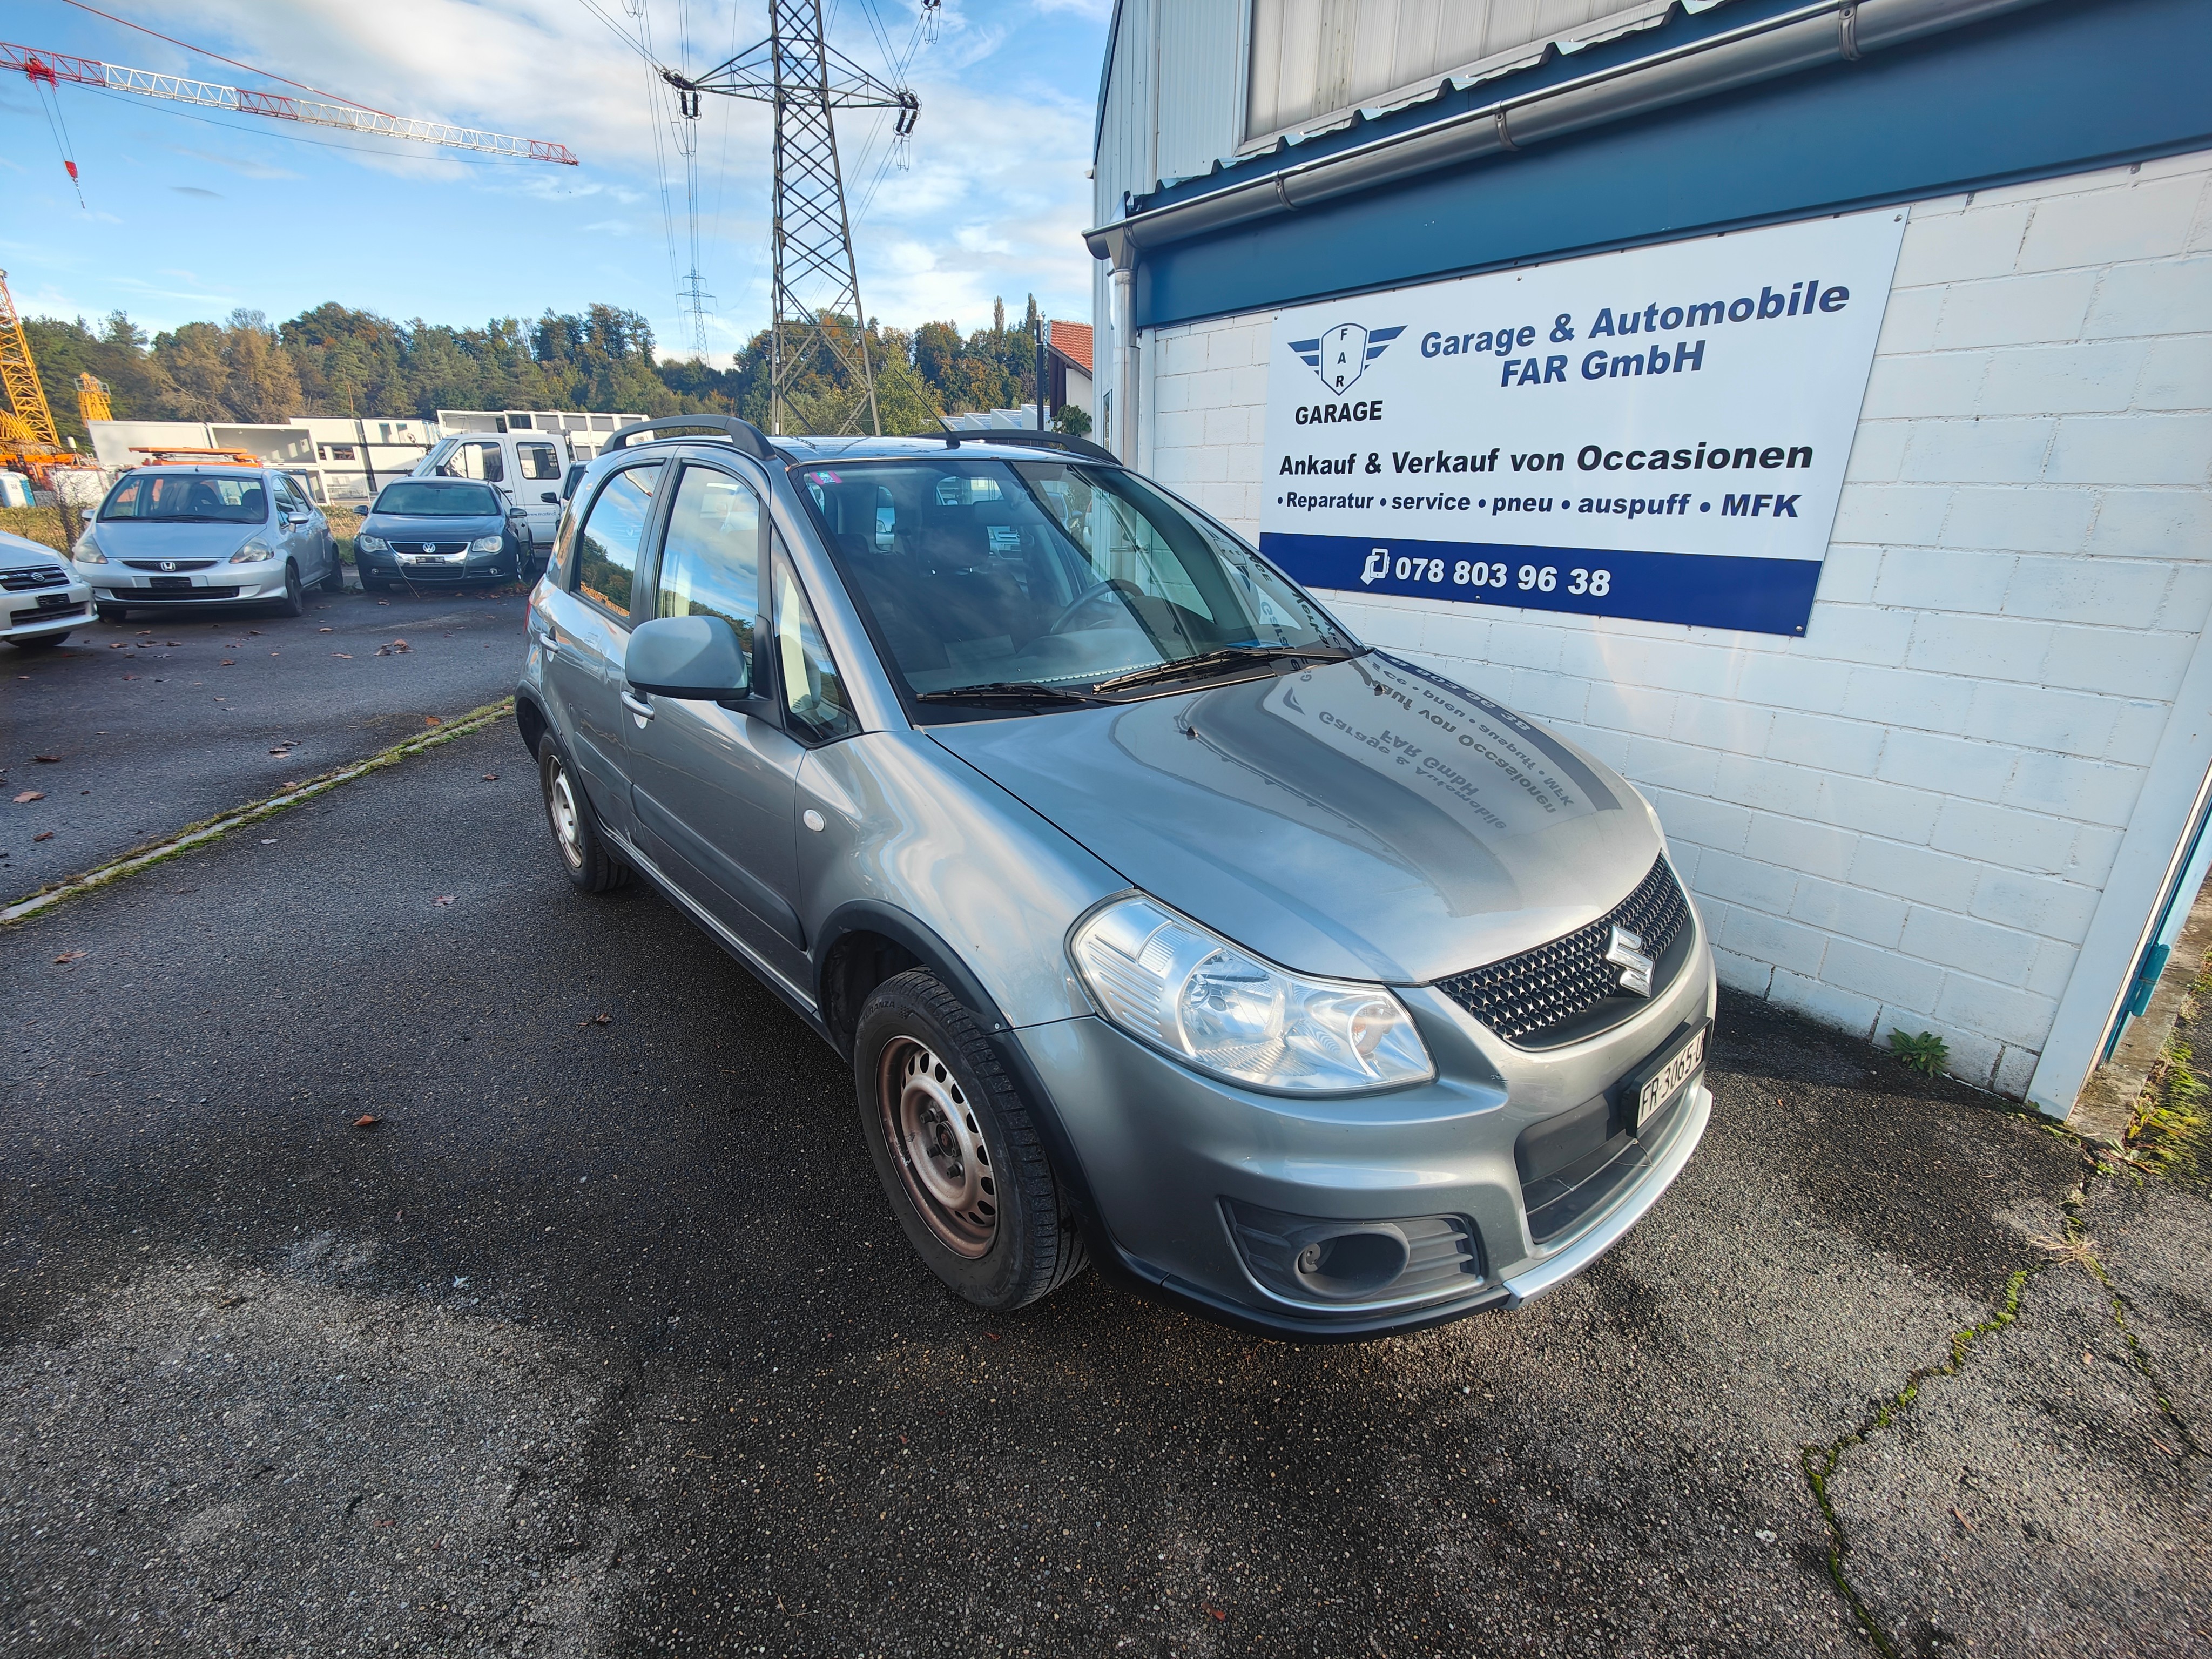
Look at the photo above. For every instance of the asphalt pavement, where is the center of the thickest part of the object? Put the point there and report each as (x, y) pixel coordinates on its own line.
(600, 1339)
(162, 721)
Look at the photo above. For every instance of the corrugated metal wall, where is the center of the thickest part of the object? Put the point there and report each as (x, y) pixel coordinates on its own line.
(1170, 98)
(1310, 58)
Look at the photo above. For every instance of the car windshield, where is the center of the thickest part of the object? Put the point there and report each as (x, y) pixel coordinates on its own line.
(187, 498)
(1048, 577)
(437, 500)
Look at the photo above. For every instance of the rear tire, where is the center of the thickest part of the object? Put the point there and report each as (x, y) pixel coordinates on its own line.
(586, 858)
(334, 583)
(956, 1151)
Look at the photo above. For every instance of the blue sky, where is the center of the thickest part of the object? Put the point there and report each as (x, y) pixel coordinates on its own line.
(189, 213)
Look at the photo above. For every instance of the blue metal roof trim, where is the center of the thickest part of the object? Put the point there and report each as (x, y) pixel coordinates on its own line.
(2055, 89)
(1683, 25)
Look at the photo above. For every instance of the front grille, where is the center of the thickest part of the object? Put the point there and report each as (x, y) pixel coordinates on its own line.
(1559, 992)
(43, 614)
(173, 595)
(16, 581)
(429, 547)
(168, 564)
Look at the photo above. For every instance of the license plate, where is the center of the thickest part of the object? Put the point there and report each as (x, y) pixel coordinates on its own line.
(170, 583)
(53, 601)
(1658, 1087)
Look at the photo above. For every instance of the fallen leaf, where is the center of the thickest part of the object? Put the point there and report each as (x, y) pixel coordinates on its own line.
(116, 645)
(445, 899)
(596, 1019)
(325, 630)
(491, 777)
(254, 633)
(1961, 1519)
(70, 955)
(30, 794)
(280, 751)
(432, 720)
(1216, 1612)
(348, 655)
(49, 759)
(44, 834)
(366, 1121)
(384, 602)
(227, 662)
(292, 784)
(268, 841)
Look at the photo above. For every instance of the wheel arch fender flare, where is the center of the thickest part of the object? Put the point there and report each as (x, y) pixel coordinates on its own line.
(919, 940)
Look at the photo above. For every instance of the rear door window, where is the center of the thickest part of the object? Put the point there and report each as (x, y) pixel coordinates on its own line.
(613, 531)
(538, 460)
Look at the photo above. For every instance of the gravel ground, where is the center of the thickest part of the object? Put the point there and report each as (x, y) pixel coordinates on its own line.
(602, 1340)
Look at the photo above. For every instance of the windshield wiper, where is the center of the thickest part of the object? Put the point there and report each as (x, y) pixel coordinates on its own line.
(1006, 691)
(1229, 656)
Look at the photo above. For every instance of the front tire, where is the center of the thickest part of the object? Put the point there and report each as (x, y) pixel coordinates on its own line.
(111, 613)
(295, 602)
(43, 642)
(586, 860)
(956, 1151)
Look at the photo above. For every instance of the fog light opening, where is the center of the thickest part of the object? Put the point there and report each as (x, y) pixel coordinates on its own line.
(1355, 1263)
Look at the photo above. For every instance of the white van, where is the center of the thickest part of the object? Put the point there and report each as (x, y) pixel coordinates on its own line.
(527, 467)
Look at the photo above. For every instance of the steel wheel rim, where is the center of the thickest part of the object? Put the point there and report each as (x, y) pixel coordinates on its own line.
(560, 808)
(937, 1141)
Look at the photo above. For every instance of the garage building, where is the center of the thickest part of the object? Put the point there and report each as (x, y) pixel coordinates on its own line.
(1903, 628)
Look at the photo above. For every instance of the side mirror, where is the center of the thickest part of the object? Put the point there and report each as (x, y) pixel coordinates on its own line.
(295, 518)
(516, 512)
(568, 483)
(695, 659)
(549, 499)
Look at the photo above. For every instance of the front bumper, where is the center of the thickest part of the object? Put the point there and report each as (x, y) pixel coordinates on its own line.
(1174, 1164)
(222, 583)
(34, 613)
(470, 568)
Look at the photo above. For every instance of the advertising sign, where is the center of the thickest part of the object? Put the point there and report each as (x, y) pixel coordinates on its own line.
(1660, 433)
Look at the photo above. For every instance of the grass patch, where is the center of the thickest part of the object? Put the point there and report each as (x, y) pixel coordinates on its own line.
(2172, 1129)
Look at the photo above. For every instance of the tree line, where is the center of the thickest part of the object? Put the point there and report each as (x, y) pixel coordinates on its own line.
(334, 359)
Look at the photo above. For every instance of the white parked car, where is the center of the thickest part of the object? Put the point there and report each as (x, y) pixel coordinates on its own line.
(45, 599)
(168, 536)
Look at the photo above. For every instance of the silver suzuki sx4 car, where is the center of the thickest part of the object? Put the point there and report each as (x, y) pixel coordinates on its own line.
(1163, 923)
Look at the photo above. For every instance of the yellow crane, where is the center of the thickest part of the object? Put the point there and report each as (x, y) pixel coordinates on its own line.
(28, 441)
(92, 403)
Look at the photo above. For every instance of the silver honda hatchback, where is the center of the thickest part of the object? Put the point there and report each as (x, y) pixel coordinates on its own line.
(1163, 922)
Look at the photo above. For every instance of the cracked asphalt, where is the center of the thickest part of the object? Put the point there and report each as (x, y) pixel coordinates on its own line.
(602, 1339)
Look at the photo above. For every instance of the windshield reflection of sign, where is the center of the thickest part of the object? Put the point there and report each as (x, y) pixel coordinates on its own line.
(1485, 776)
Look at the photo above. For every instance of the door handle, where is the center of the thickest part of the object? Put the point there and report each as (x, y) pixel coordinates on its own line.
(551, 642)
(636, 705)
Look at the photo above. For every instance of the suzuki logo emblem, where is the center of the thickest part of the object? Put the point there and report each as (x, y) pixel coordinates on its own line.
(1626, 953)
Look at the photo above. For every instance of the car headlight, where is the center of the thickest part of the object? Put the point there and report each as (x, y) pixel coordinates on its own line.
(87, 551)
(1168, 982)
(371, 545)
(254, 552)
(487, 544)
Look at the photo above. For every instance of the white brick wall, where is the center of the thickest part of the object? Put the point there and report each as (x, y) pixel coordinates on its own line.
(1906, 818)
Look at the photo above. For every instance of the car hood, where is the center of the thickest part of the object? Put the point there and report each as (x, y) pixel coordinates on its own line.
(152, 539)
(1362, 819)
(21, 553)
(408, 528)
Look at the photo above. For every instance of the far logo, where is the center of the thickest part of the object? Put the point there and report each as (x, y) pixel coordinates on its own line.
(1342, 354)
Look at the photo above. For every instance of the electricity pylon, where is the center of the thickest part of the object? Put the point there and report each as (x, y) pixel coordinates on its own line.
(818, 285)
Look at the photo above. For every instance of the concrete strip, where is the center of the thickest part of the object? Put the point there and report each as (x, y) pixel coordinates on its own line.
(194, 835)
(2107, 1105)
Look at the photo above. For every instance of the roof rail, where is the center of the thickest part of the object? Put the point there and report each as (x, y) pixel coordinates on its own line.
(1035, 439)
(744, 433)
